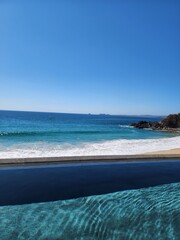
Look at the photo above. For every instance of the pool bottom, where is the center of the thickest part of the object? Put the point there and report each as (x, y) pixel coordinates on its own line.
(147, 213)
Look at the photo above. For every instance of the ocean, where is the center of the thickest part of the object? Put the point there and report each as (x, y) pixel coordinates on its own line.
(38, 134)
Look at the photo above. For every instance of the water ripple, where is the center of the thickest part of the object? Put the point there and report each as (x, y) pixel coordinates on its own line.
(149, 213)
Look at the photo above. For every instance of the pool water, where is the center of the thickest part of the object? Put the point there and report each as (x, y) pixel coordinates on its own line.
(21, 185)
(147, 213)
(107, 201)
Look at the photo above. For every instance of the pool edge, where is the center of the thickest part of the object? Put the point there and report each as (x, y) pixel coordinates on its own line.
(10, 162)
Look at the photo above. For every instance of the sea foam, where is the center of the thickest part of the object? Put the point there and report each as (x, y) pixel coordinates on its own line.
(113, 147)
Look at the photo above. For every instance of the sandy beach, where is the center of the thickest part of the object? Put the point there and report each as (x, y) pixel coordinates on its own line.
(167, 152)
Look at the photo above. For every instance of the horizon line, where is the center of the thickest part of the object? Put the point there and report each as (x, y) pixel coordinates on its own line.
(34, 111)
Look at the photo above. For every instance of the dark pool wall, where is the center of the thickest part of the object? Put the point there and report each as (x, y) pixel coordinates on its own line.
(48, 183)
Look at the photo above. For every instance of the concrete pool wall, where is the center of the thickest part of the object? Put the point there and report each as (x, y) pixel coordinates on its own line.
(85, 159)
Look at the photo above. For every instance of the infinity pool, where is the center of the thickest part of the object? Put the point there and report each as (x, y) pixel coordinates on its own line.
(91, 201)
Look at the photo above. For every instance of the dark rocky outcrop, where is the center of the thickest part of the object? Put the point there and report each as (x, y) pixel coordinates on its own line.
(171, 122)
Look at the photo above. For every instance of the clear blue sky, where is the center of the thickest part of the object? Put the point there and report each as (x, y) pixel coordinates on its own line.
(97, 56)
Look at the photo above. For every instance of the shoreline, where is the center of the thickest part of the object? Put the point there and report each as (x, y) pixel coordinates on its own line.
(174, 151)
(120, 147)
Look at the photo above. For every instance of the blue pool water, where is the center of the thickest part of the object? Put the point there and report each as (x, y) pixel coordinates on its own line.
(142, 214)
(142, 201)
(20, 185)
(28, 134)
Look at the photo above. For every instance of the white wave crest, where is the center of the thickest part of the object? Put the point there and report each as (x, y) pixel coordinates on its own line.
(114, 147)
(125, 126)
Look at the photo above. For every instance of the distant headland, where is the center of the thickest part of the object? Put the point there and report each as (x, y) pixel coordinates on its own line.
(170, 123)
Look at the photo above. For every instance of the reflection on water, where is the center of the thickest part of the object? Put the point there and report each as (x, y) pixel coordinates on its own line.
(149, 213)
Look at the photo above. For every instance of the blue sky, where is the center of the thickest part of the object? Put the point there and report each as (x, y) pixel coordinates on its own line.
(116, 57)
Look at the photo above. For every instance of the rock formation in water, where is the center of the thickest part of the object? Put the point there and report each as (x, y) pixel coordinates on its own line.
(171, 122)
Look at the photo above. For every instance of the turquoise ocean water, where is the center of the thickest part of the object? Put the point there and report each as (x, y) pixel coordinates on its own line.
(24, 134)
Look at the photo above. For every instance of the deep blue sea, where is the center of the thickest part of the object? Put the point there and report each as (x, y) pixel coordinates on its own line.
(24, 134)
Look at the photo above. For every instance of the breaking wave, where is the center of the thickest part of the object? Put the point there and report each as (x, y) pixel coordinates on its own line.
(113, 147)
(37, 133)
